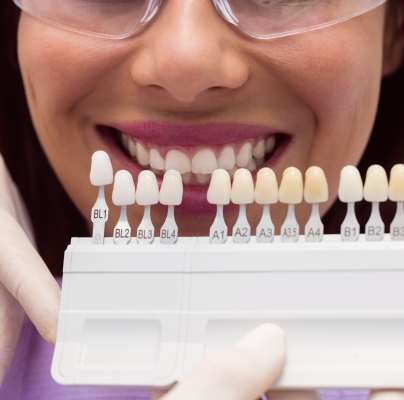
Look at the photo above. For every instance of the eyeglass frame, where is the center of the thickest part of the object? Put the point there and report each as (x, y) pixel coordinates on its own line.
(223, 7)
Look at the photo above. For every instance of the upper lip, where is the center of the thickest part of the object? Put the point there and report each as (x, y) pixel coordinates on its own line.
(192, 135)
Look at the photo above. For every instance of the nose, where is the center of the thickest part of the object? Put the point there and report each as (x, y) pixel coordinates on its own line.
(188, 50)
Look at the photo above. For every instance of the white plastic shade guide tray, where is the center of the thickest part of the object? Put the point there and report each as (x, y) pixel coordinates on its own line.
(140, 315)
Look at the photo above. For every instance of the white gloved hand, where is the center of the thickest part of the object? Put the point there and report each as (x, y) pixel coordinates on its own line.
(243, 372)
(387, 395)
(25, 281)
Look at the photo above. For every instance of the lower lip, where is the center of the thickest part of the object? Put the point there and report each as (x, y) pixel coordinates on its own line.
(194, 200)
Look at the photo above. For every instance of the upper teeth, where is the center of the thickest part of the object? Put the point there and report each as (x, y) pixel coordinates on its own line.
(202, 161)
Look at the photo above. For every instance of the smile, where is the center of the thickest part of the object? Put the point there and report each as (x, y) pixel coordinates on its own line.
(189, 152)
(195, 151)
(197, 163)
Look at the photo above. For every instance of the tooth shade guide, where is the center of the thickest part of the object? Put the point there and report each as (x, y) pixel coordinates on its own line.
(350, 188)
(290, 229)
(315, 192)
(99, 216)
(291, 187)
(291, 193)
(218, 230)
(266, 187)
(145, 231)
(219, 193)
(171, 195)
(350, 191)
(242, 230)
(396, 184)
(147, 195)
(265, 231)
(169, 230)
(350, 228)
(376, 185)
(123, 193)
(242, 193)
(265, 193)
(147, 189)
(171, 189)
(315, 186)
(397, 225)
(375, 227)
(101, 174)
(376, 190)
(197, 279)
(314, 229)
(122, 230)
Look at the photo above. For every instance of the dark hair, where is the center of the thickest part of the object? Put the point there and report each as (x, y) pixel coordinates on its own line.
(56, 219)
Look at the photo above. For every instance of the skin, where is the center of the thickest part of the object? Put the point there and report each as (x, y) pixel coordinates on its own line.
(321, 86)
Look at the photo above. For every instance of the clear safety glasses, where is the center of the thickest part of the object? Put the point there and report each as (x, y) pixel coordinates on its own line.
(262, 19)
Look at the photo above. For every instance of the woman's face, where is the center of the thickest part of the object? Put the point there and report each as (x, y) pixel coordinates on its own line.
(190, 81)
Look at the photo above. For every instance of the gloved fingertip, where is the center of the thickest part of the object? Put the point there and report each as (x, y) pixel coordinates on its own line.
(387, 395)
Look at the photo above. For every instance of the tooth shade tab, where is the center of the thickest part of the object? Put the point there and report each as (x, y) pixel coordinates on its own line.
(291, 188)
(147, 189)
(376, 187)
(220, 188)
(315, 186)
(397, 225)
(204, 162)
(314, 229)
(123, 193)
(101, 173)
(396, 186)
(350, 185)
(173, 172)
(265, 231)
(177, 160)
(171, 189)
(266, 187)
(242, 191)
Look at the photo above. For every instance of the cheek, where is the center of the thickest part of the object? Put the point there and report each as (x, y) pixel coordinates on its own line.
(60, 68)
(338, 74)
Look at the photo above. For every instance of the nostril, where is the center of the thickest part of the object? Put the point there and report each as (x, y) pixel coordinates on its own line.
(158, 87)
